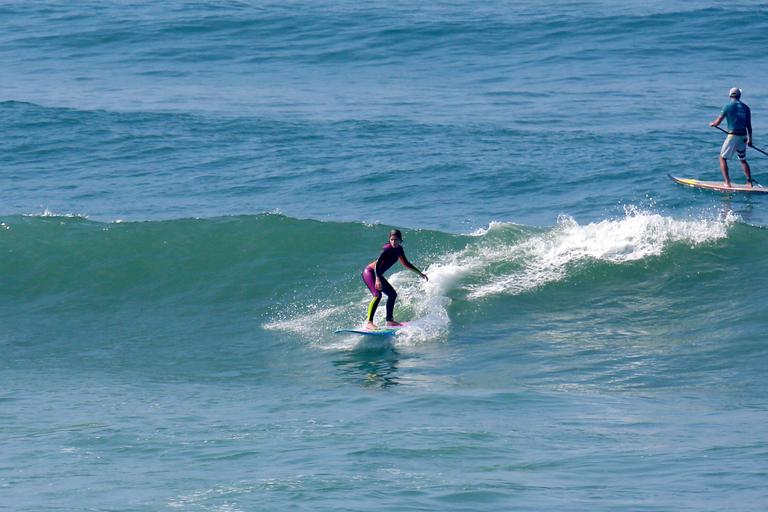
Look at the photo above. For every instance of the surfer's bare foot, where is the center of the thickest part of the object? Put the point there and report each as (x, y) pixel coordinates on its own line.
(749, 183)
(371, 326)
(394, 324)
(727, 184)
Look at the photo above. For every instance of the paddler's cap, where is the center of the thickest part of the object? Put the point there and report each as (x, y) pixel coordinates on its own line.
(735, 92)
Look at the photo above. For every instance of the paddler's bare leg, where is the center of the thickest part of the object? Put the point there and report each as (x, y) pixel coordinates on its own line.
(724, 170)
(747, 172)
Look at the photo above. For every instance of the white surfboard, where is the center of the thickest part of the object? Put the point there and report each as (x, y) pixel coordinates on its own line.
(719, 185)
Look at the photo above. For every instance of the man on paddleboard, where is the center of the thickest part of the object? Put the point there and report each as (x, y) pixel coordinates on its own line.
(739, 134)
(373, 276)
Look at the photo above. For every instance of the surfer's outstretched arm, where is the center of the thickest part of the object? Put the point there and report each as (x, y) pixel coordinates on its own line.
(410, 266)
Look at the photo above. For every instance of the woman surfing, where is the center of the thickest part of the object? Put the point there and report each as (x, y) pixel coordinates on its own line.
(373, 277)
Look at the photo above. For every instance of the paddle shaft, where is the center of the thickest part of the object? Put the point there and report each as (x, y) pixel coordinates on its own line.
(753, 147)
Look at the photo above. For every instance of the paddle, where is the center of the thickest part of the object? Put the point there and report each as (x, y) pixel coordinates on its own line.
(753, 147)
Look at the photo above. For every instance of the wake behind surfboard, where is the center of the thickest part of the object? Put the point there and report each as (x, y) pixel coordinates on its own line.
(718, 185)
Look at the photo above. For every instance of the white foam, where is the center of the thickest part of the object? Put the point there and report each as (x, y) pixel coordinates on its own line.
(307, 323)
(415, 298)
(48, 213)
(493, 225)
(545, 258)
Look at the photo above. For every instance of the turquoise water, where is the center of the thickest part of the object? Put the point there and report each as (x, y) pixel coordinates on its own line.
(189, 191)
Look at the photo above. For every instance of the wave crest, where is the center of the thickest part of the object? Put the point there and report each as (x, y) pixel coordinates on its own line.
(522, 265)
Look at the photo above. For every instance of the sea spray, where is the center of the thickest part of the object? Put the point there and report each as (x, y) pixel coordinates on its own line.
(546, 258)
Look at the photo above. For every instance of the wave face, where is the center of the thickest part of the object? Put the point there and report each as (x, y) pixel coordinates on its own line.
(302, 276)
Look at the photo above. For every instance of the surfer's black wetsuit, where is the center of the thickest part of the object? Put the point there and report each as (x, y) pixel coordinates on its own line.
(388, 257)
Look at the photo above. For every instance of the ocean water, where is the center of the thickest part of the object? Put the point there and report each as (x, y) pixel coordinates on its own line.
(190, 190)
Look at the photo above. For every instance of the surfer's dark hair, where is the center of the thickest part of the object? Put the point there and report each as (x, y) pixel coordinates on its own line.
(396, 233)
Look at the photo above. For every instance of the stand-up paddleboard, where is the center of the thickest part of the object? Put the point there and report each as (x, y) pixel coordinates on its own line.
(719, 186)
(381, 331)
